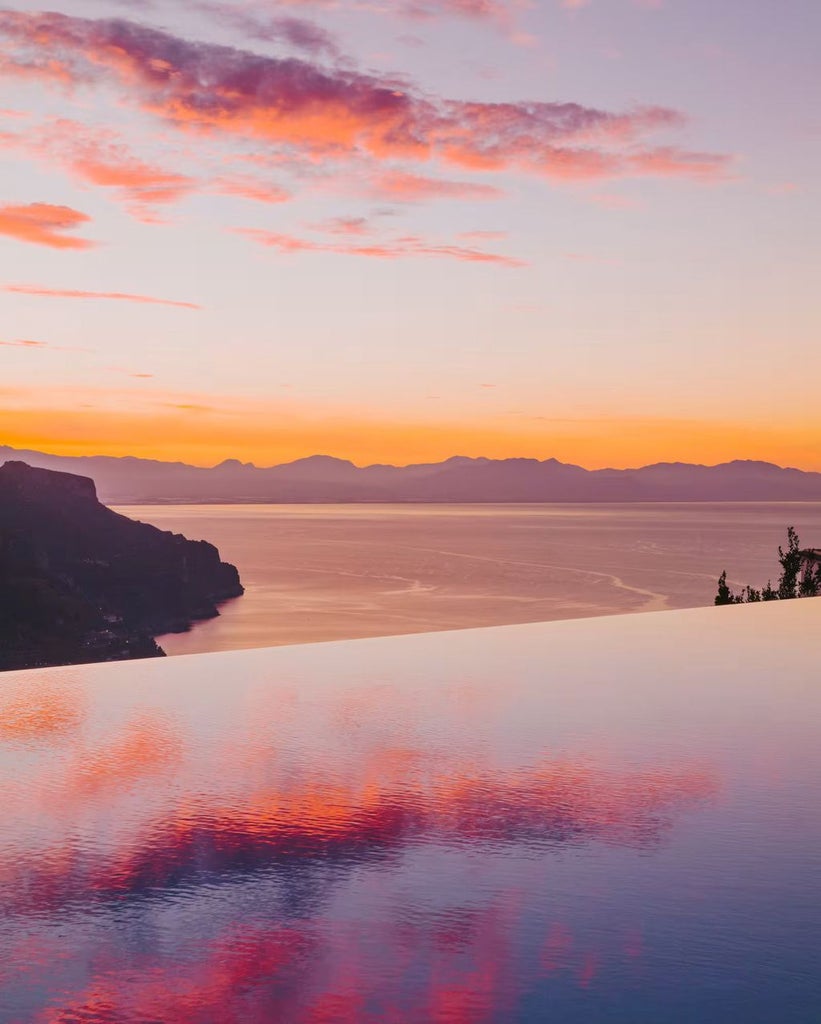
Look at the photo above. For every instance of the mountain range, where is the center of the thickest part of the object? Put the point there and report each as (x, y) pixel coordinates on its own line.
(321, 478)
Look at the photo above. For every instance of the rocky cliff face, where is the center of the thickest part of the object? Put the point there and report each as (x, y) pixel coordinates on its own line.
(81, 583)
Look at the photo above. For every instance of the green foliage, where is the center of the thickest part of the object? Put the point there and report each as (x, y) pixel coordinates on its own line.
(800, 577)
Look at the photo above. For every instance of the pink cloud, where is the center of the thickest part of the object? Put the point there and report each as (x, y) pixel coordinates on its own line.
(403, 187)
(71, 293)
(260, 24)
(474, 10)
(99, 157)
(250, 188)
(484, 236)
(670, 162)
(500, 12)
(408, 245)
(113, 166)
(338, 113)
(575, 5)
(343, 226)
(783, 188)
(130, 373)
(40, 345)
(612, 201)
(44, 224)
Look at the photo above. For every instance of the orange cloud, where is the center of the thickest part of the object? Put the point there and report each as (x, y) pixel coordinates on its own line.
(71, 293)
(336, 112)
(485, 236)
(249, 188)
(344, 226)
(408, 245)
(399, 186)
(40, 345)
(671, 162)
(130, 373)
(44, 224)
(100, 157)
(478, 10)
(139, 182)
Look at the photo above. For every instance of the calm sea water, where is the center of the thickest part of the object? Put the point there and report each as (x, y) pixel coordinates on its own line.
(611, 821)
(326, 572)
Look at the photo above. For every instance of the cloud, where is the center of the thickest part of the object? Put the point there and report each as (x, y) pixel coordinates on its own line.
(38, 346)
(400, 186)
(650, 5)
(261, 25)
(99, 157)
(783, 188)
(250, 188)
(301, 107)
(44, 224)
(408, 245)
(613, 201)
(343, 226)
(484, 236)
(130, 373)
(71, 293)
(110, 164)
(670, 162)
(22, 343)
(498, 12)
(474, 10)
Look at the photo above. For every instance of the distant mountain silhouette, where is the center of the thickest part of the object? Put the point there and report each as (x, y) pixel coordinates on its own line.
(80, 583)
(322, 478)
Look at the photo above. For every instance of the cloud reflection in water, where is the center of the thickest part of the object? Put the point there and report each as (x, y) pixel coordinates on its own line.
(173, 872)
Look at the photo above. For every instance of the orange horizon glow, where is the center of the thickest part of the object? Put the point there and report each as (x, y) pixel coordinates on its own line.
(203, 435)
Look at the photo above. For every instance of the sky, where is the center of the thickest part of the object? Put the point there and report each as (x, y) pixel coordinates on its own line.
(401, 230)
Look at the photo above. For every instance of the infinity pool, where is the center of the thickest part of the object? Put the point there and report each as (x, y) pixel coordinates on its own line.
(610, 820)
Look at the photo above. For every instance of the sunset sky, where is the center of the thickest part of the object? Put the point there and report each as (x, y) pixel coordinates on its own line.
(399, 230)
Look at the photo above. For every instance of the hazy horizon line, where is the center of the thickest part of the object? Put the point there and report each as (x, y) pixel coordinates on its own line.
(408, 465)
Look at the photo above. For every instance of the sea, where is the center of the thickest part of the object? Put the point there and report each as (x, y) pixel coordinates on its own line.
(336, 572)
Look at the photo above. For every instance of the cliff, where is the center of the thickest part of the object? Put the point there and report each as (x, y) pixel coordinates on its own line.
(80, 583)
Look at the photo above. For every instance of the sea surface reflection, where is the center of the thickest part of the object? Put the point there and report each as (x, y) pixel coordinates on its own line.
(609, 820)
